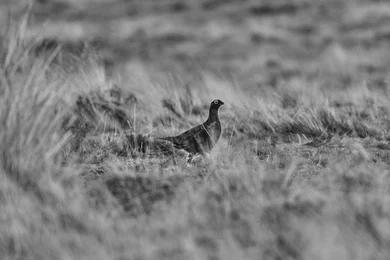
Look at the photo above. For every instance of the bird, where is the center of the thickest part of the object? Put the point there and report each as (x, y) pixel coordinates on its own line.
(200, 139)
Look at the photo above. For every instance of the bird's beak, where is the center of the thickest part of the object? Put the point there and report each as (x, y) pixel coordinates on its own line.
(222, 103)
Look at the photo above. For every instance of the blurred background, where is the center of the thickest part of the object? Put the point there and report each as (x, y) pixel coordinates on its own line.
(257, 43)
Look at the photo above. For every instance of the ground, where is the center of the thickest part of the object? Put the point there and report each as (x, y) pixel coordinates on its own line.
(301, 170)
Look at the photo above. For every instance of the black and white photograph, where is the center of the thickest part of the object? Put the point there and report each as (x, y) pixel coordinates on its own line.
(195, 129)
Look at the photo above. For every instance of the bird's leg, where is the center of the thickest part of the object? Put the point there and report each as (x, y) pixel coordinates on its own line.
(189, 158)
(174, 159)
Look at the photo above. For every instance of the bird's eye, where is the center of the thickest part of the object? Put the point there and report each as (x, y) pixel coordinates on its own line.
(216, 102)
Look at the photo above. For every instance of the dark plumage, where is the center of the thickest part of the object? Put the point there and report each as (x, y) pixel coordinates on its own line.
(202, 138)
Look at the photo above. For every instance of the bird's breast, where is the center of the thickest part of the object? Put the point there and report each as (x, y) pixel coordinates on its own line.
(214, 131)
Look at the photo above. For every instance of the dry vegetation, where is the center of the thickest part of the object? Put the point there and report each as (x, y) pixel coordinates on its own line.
(301, 170)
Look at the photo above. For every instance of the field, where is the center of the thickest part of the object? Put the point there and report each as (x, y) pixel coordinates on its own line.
(302, 169)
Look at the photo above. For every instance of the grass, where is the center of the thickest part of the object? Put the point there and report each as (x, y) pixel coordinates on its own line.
(301, 169)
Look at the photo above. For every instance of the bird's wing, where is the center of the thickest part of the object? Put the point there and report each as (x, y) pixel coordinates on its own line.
(192, 140)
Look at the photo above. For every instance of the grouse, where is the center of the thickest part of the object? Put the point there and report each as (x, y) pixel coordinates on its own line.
(202, 138)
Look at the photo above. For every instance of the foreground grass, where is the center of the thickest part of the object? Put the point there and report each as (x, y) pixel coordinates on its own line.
(301, 171)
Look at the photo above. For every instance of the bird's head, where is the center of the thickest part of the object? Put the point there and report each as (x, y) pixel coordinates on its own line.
(215, 104)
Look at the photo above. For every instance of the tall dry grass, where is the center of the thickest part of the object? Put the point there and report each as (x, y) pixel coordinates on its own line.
(262, 193)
